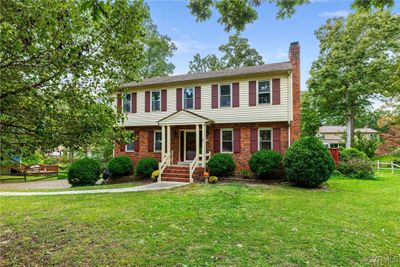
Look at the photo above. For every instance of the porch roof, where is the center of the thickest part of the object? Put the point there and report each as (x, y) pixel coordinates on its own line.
(184, 117)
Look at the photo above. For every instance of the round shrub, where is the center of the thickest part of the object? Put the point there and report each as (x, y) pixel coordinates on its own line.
(354, 163)
(347, 154)
(264, 162)
(213, 179)
(120, 166)
(84, 172)
(145, 167)
(308, 162)
(221, 164)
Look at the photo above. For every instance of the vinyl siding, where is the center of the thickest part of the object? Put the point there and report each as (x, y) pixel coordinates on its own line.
(242, 114)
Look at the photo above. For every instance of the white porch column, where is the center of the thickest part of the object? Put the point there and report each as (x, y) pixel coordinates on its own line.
(163, 140)
(203, 145)
(197, 140)
(169, 140)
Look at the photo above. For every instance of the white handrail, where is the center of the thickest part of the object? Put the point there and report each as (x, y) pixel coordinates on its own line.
(162, 165)
(192, 167)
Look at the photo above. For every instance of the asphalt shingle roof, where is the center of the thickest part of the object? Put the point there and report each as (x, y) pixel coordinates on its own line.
(266, 68)
(342, 129)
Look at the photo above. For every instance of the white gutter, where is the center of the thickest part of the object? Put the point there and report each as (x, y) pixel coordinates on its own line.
(290, 104)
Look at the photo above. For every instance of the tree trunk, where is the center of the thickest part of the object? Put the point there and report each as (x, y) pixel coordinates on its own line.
(350, 129)
(71, 155)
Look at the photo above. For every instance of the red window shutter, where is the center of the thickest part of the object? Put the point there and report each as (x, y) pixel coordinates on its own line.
(122, 147)
(150, 141)
(178, 99)
(163, 100)
(134, 103)
(235, 95)
(137, 141)
(217, 140)
(252, 93)
(214, 92)
(276, 134)
(236, 140)
(253, 140)
(147, 101)
(119, 103)
(276, 91)
(197, 97)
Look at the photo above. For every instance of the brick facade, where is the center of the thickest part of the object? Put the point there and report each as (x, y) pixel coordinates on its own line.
(294, 58)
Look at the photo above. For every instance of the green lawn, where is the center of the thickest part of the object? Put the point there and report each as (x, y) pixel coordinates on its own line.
(231, 224)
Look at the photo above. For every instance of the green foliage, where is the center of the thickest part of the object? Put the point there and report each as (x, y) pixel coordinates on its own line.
(310, 119)
(213, 179)
(84, 172)
(235, 54)
(264, 162)
(221, 164)
(145, 167)
(236, 14)
(355, 164)
(347, 154)
(366, 145)
(245, 173)
(358, 57)
(308, 162)
(33, 158)
(120, 166)
(155, 174)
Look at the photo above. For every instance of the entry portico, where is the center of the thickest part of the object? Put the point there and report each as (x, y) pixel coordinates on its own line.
(180, 119)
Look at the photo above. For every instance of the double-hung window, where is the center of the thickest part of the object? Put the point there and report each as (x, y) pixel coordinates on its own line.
(264, 92)
(225, 95)
(265, 139)
(188, 96)
(155, 100)
(157, 141)
(226, 140)
(130, 147)
(127, 103)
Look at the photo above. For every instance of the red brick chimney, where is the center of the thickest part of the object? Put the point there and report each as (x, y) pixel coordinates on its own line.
(294, 58)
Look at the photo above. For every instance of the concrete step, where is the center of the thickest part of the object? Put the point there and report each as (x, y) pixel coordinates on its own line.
(174, 179)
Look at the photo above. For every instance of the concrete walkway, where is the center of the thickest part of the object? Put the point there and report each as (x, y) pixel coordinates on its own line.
(44, 184)
(147, 187)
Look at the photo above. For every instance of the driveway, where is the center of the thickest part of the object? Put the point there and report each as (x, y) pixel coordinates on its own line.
(147, 187)
(52, 184)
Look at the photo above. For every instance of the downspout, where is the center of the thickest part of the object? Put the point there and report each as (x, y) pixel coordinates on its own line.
(289, 105)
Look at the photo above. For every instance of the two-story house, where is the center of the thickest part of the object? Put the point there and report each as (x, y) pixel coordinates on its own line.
(182, 120)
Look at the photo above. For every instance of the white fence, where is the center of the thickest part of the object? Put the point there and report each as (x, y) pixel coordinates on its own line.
(387, 166)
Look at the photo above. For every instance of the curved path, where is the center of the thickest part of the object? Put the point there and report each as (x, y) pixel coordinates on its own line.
(147, 187)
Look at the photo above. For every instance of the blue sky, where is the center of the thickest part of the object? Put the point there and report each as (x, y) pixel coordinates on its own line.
(271, 37)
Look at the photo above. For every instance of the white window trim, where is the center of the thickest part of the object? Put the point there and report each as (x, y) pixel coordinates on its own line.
(194, 97)
(230, 94)
(270, 92)
(259, 139)
(221, 141)
(130, 104)
(154, 142)
(128, 150)
(151, 100)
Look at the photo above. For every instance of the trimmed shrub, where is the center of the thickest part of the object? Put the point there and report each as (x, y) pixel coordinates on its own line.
(120, 166)
(264, 162)
(213, 179)
(308, 162)
(145, 167)
(84, 172)
(221, 164)
(355, 164)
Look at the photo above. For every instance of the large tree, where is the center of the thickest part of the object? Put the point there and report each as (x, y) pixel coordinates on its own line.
(359, 61)
(235, 54)
(236, 14)
(59, 63)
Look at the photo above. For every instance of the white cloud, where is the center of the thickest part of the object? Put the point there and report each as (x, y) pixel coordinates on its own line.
(188, 45)
(338, 13)
(175, 28)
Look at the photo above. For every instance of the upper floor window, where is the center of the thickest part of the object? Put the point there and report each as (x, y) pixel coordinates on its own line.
(264, 92)
(225, 95)
(127, 103)
(155, 101)
(157, 141)
(265, 139)
(188, 96)
(226, 140)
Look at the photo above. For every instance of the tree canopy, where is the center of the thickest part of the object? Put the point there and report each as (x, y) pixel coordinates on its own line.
(59, 62)
(235, 54)
(236, 14)
(359, 61)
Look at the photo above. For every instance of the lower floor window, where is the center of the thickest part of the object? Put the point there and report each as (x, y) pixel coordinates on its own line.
(265, 139)
(130, 147)
(157, 141)
(226, 140)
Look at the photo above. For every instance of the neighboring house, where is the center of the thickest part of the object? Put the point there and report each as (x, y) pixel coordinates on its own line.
(184, 119)
(333, 136)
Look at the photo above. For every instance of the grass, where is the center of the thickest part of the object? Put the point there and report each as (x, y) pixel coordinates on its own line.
(232, 224)
(387, 158)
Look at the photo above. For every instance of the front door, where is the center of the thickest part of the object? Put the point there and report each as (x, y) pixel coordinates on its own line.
(189, 145)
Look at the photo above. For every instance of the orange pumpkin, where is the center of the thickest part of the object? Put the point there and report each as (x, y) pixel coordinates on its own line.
(206, 174)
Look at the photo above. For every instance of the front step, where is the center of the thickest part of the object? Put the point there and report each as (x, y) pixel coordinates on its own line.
(176, 173)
